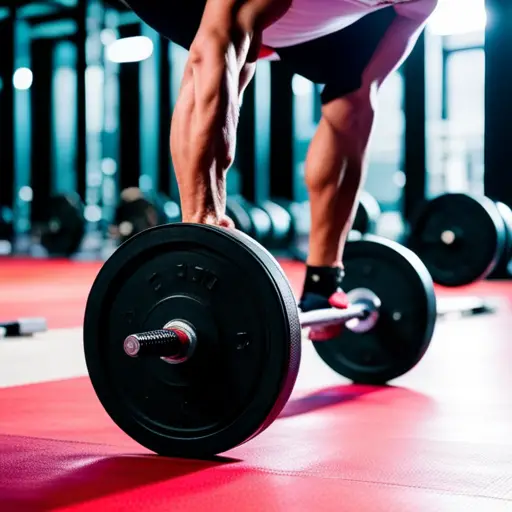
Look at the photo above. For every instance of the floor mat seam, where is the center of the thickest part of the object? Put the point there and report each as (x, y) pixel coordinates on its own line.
(375, 482)
(270, 471)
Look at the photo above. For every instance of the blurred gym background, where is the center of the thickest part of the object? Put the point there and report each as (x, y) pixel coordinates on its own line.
(87, 93)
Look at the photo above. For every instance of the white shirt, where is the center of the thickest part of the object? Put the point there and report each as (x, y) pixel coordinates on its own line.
(310, 19)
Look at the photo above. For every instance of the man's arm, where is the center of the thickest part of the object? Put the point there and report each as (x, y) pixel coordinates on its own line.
(205, 119)
(399, 40)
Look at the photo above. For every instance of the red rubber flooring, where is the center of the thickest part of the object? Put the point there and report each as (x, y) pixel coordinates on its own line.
(439, 439)
(55, 289)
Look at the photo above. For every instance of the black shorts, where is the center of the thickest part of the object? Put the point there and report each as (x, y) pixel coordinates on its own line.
(336, 61)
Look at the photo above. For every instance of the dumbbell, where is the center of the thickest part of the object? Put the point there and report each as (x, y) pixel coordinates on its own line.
(192, 334)
(462, 238)
(62, 229)
(22, 327)
(137, 212)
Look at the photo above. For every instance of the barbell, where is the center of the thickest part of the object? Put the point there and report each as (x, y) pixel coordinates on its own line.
(192, 334)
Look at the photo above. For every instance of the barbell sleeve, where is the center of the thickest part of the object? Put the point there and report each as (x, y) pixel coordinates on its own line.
(161, 343)
(174, 343)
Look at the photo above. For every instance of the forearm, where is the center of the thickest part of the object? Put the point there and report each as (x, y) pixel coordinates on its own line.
(203, 130)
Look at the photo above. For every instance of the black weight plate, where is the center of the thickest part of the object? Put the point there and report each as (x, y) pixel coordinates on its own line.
(64, 225)
(247, 355)
(501, 271)
(459, 238)
(368, 213)
(406, 320)
(235, 210)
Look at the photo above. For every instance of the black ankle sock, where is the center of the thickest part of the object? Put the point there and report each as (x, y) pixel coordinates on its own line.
(323, 281)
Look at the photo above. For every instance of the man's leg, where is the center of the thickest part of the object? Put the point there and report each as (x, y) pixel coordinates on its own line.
(335, 168)
(335, 172)
(336, 160)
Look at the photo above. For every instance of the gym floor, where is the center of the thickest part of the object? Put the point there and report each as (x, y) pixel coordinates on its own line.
(437, 439)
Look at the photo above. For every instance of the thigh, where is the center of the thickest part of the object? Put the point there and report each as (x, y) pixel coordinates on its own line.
(180, 27)
(338, 60)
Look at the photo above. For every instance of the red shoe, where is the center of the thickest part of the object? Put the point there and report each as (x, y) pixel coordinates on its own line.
(338, 300)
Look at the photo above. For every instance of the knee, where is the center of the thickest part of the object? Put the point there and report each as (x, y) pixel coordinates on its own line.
(350, 117)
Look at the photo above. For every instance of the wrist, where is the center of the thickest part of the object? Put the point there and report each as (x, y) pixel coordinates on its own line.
(205, 204)
(200, 218)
